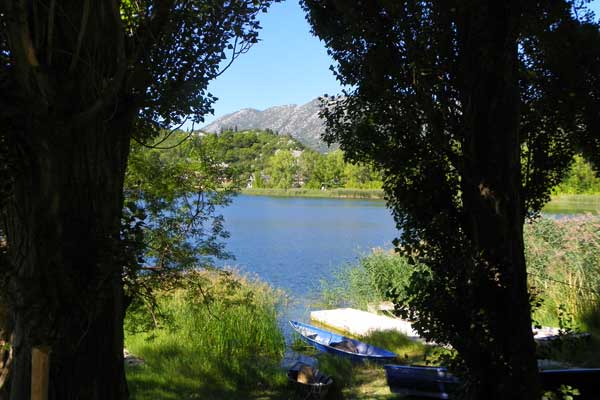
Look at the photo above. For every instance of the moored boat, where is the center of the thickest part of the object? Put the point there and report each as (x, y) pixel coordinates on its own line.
(438, 383)
(432, 382)
(333, 343)
(585, 380)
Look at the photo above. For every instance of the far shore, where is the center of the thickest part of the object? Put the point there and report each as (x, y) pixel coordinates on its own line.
(337, 193)
(560, 204)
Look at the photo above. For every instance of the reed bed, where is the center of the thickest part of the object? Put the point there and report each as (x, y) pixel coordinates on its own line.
(221, 340)
(563, 262)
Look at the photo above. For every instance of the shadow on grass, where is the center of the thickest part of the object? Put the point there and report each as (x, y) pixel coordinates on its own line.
(409, 351)
(172, 373)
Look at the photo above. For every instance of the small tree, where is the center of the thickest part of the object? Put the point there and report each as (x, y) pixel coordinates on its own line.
(472, 110)
(171, 220)
(282, 167)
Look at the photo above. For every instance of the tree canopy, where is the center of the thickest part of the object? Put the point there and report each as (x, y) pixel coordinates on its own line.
(472, 111)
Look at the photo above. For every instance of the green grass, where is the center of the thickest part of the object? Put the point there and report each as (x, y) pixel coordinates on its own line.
(224, 346)
(573, 204)
(340, 193)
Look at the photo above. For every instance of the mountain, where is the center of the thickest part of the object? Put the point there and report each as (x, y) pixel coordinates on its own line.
(301, 122)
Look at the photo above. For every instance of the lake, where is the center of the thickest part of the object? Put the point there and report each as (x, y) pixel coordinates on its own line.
(294, 243)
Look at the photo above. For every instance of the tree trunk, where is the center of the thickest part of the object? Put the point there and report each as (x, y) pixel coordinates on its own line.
(62, 226)
(506, 367)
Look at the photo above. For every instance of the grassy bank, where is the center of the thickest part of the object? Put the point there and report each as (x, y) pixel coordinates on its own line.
(560, 204)
(340, 193)
(563, 261)
(219, 340)
(573, 204)
(222, 342)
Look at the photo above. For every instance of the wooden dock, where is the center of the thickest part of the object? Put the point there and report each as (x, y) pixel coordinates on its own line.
(361, 323)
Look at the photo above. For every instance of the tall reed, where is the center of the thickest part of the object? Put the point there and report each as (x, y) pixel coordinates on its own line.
(222, 341)
(563, 262)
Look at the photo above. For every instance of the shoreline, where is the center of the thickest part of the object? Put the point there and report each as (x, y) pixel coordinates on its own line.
(561, 203)
(338, 193)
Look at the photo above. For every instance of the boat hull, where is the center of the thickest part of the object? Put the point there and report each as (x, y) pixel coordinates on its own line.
(332, 343)
(431, 382)
(438, 383)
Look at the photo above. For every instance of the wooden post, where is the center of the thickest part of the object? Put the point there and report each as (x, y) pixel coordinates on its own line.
(40, 370)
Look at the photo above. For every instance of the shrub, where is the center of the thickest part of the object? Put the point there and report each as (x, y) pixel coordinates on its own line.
(378, 277)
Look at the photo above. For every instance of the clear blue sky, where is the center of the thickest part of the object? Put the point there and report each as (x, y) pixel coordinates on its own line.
(288, 65)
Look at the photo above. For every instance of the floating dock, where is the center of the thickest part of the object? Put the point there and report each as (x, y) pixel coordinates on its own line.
(361, 323)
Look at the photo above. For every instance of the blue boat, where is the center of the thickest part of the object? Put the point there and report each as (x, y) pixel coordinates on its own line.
(333, 343)
(586, 380)
(432, 382)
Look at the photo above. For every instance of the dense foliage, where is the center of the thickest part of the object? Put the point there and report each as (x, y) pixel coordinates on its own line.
(580, 179)
(171, 220)
(264, 159)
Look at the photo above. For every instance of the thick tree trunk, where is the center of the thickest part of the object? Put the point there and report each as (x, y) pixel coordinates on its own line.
(505, 368)
(62, 227)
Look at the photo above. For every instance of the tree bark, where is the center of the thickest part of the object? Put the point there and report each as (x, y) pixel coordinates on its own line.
(62, 226)
(491, 191)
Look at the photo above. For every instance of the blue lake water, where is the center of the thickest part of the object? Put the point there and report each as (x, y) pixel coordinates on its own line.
(294, 243)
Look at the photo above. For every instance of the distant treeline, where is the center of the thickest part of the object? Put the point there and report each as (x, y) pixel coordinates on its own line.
(268, 160)
(264, 159)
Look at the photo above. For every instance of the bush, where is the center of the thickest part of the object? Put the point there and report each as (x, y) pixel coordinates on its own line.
(379, 276)
(581, 179)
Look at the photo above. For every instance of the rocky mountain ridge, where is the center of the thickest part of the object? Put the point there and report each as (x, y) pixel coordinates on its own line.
(300, 121)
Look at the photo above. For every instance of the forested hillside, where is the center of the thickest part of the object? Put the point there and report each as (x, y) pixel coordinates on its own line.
(264, 159)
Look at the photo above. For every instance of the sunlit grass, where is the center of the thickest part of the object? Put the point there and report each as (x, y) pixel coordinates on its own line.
(228, 347)
(573, 204)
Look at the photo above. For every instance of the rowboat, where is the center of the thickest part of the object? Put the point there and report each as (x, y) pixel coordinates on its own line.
(431, 382)
(438, 383)
(333, 343)
(586, 380)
